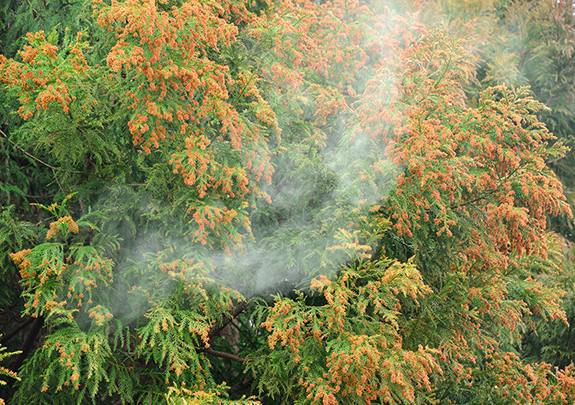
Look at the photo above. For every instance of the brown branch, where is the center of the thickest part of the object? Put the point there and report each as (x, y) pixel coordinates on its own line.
(216, 330)
(38, 196)
(18, 328)
(222, 354)
(569, 152)
(34, 157)
(28, 344)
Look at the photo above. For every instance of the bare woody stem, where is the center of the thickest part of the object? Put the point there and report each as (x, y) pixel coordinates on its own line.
(34, 157)
(216, 330)
(222, 354)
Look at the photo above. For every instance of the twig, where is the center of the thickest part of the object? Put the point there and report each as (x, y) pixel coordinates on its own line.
(34, 157)
(243, 334)
(38, 196)
(56, 178)
(219, 370)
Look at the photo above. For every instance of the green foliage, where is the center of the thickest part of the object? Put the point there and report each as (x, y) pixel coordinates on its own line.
(362, 305)
(183, 396)
(3, 371)
(285, 202)
(16, 236)
(552, 342)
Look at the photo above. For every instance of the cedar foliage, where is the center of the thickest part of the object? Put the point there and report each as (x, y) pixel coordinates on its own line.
(4, 372)
(277, 202)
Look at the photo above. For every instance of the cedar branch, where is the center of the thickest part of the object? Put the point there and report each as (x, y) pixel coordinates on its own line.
(222, 354)
(216, 330)
(569, 152)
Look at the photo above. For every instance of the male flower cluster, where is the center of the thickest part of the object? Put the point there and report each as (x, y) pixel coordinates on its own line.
(54, 226)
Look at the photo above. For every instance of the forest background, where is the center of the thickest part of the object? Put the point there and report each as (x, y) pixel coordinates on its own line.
(279, 202)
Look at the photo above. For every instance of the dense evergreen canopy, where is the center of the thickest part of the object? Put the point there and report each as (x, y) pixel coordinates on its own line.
(279, 201)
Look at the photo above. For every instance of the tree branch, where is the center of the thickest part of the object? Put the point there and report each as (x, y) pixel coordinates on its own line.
(18, 328)
(216, 330)
(34, 157)
(222, 354)
(28, 344)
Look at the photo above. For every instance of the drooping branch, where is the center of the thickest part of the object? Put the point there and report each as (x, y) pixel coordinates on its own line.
(569, 152)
